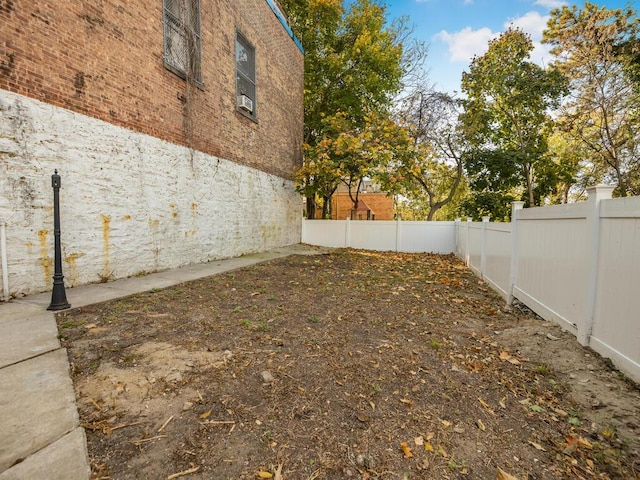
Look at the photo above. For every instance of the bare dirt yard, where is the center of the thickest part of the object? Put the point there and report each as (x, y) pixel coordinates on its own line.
(346, 365)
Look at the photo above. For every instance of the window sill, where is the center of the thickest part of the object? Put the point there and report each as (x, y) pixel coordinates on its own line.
(183, 76)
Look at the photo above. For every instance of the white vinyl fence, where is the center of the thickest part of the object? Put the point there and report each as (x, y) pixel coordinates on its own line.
(577, 265)
(382, 235)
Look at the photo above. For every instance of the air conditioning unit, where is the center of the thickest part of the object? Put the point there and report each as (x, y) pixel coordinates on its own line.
(245, 103)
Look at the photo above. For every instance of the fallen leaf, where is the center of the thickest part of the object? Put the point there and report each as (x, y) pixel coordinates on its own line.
(537, 446)
(408, 402)
(446, 423)
(504, 356)
(442, 451)
(418, 441)
(206, 414)
(264, 474)
(480, 425)
(406, 450)
(502, 475)
(607, 432)
(536, 408)
(486, 405)
(429, 436)
(428, 447)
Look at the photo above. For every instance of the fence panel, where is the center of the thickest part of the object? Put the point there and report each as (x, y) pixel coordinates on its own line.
(616, 327)
(430, 237)
(325, 233)
(374, 235)
(498, 257)
(552, 265)
(475, 247)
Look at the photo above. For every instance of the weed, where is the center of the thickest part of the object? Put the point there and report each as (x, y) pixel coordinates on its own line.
(73, 323)
(245, 323)
(542, 369)
(314, 319)
(435, 344)
(264, 327)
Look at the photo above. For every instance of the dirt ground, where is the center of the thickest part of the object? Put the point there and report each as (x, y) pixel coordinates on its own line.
(351, 364)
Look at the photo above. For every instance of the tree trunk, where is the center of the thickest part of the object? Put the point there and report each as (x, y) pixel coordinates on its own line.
(311, 208)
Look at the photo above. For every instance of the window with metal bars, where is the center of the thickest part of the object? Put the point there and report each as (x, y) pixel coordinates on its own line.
(182, 41)
(245, 77)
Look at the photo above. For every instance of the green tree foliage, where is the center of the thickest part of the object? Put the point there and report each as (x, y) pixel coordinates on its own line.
(430, 174)
(506, 122)
(599, 51)
(353, 67)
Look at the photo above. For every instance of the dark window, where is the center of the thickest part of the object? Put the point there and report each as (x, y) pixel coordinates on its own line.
(245, 77)
(182, 42)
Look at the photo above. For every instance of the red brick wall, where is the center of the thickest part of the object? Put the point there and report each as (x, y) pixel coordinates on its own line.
(104, 58)
(380, 204)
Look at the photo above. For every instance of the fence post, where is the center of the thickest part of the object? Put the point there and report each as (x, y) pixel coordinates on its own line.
(398, 221)
(458, 252)
(596, 195)
(467, 258)
(483, 251)
(347, 233)
(513, 265)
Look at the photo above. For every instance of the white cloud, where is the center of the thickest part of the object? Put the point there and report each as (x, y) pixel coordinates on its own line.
(550, 4)
(532, 23)
(466, 43)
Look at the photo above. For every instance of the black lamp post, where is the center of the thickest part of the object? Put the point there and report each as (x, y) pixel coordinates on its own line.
(58, 295)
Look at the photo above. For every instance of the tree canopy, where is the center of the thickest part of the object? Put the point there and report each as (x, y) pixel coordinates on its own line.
(353, 68)
(506, 118)
(598, 50)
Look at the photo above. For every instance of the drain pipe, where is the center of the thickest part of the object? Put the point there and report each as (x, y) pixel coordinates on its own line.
(3, 252)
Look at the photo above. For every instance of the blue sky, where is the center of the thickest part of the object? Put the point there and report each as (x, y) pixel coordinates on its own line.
(456, 30)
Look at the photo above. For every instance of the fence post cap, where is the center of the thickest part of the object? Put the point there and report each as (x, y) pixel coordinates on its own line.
(600, 192)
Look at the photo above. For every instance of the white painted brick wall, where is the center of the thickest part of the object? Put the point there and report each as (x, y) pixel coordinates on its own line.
(129, 203)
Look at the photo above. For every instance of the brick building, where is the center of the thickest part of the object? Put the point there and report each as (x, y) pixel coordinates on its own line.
(373, 203)
(371, 206)
(176, 126)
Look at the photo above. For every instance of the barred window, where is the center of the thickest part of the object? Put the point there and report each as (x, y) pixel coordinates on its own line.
(182, 41)
(245, 77)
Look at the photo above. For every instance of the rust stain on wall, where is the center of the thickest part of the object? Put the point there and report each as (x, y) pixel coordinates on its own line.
(174, 210)
(45, 261)
(106, 232)
(127, 217)
(72, 270)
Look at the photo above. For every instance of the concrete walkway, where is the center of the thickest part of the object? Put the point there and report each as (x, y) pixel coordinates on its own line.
(41, 434)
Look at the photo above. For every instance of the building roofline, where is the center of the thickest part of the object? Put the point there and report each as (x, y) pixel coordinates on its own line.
(275, 8)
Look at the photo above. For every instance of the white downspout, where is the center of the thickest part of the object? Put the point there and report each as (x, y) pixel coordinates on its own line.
(3, 252)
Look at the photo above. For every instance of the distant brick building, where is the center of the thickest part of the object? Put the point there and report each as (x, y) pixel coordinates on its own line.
(371, 206)
(176, 126)
(373, 203)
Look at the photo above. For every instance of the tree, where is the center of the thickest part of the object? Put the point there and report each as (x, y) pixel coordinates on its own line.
(506, 118)
(430, 174)
(353, 67)
(598, 50)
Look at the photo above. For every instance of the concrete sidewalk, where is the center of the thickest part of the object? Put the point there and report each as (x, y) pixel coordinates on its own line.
(41, 433)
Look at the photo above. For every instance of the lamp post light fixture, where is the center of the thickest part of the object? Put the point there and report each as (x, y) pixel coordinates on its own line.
(58, 295)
